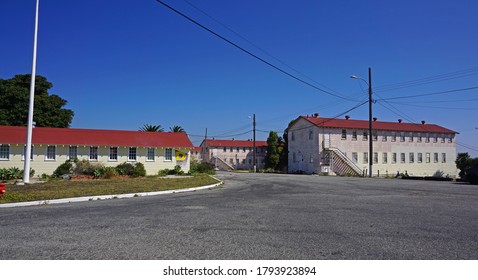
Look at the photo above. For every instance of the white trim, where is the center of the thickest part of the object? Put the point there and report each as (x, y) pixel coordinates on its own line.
(109, 154)
(154, 154)
(8, 155)
(97, 153)
(165, 151)
(46, 153)
(135, 154)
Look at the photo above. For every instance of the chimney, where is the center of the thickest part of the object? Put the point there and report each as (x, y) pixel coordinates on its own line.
(347, 117)
(375, 119)
(316, 115)
(399, 120)
(423, 122)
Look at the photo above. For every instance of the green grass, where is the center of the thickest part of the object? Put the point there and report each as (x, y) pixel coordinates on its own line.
(56, 189)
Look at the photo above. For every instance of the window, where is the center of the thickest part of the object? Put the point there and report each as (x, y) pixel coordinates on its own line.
(410, 137)
(293, 136)
(384, 136)
(4, 152)
(394, 158)
(365, 157)
(50, 152)
(237, 149)
(402, 157)
(374, 135)
(442, 138)
(435, 157)
(450, 138)
(365, 135)
(72, 152)
(419, 137)
(402, 136)
(93, 153)
(132, 153)
(225, 149)
(237, 161)
(355, 157)
(25, 151)
(394, 136)
(443, 157)
(427, 137)
(168, 154)
(427, 157)
(411, 157)
(344, 134)
(384, 158)
(231, 160)
(435, 138)
(311, 134)
(150, 154)
(244, 149)
(419, 158)
(230, 149)
(375, 158)
(113, 154)
(244, 161)
(354, 134)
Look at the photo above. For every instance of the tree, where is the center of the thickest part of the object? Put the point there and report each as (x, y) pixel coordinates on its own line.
(283, 152)
(151, 128)
(177, 128)
(272, 156)
(465, 163)
(48, 110)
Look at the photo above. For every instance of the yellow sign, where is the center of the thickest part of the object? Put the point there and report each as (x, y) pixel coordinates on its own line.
(181, 155)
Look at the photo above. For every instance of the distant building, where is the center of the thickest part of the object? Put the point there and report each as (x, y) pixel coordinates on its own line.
(341, 147)
(196, 154)
(53, 146)
(233, 154)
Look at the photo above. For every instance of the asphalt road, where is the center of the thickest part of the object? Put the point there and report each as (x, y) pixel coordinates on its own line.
(257, 216)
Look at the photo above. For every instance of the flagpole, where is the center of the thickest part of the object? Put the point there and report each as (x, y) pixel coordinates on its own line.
(28, 152)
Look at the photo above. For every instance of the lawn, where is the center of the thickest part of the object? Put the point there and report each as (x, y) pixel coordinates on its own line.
(55, 189)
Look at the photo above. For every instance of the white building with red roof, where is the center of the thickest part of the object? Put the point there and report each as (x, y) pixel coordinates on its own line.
(233, 154)
(53, 146)
(341, 147)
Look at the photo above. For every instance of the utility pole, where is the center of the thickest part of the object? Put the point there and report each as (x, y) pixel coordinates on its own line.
(28, 148)
(370, 140)
(254, 142)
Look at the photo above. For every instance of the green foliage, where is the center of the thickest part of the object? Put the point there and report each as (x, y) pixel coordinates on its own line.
(86, 168)
(151, 128)
(64, 168)
(136, 170)
(15, 93)
(177, 128)
(201, 167)
(109, 172)
(468, 167)
(176, 171)
(11, 173)
(272, 156)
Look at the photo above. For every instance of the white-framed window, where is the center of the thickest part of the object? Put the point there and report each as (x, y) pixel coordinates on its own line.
(354, 134)
(435, 138)
(394, 158)
(402, 136)
(394, 136)
(150, 154)
(244, 149)
(225, 149)
(237, 161)
(443, 157)
(427, 137)
(4, 152)
(237, 149)
(375, 158)
(355, 157)
(419, 158)
(419, 137)
(365, 135)
(72, 152)
(384, 158)
(231, 161)
(410, 137)
(435, 157)
(132, 153)
(374, 135)
(427, 157)
(230, 149)
(50, 152)
(344, 134)
(384, 136)
(365, 157)
(411, 157)
(25, 151)
(113, 154)
(442, 138)
(450, 138)
(93, 154)
(168, 154)
(402, 157)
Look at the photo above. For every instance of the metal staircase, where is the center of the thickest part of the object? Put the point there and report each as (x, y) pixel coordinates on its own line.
(342, 165)
(221, 164)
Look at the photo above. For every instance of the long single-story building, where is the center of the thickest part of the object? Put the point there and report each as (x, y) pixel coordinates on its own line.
(53, 146)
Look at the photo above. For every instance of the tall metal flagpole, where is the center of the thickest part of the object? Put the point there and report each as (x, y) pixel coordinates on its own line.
(28, 150)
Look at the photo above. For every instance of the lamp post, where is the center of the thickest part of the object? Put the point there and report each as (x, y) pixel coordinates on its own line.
(370, 146)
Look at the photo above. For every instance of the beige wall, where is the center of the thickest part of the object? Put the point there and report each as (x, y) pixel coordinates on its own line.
(43, 166)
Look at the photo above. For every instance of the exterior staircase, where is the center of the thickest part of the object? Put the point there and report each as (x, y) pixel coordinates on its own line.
(342, 165)
(221, 164)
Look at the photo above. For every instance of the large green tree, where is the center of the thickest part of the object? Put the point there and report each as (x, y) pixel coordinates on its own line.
(463, 162)
(273, 153)
(48, 110)
(177, 128)
(151, 128)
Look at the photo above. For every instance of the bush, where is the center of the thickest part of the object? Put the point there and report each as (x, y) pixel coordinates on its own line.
(138, 170)
(201, 167)
(10, 173)
(64, 168)
(125, 168)
(109, 172)
(176, 171)
(86, 168)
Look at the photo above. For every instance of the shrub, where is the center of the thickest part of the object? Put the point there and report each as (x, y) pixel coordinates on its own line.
(138, 170)
(201, 167)
(176, 171)
(125, 168)
(109, 172)
(64, 168)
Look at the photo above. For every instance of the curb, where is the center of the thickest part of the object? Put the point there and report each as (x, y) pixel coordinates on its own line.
(109, 196)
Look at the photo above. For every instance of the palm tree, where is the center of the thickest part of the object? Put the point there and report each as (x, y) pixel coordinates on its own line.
(151, 128)
(177, 128)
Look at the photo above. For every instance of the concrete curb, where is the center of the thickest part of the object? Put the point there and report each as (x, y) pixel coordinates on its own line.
(101, 197)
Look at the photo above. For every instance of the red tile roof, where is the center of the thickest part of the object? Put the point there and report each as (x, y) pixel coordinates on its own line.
(235, 143)
(377, 125)
(75, 136)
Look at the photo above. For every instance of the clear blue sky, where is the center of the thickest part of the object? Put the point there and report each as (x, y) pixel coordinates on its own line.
(121, 64)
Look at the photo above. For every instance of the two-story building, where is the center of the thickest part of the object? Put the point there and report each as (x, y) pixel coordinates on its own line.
(53, 146)
(341, 147)
(233, 154)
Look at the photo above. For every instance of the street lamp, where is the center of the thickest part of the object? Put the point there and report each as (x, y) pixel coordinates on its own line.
(370, 146)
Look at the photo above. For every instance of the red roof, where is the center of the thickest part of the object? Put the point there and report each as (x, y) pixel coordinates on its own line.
(377, 125)
(235, 143)
(75, 136)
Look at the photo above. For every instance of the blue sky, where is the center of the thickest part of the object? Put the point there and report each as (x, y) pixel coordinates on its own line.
(121, 64)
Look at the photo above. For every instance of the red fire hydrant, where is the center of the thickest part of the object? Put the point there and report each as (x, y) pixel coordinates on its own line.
(2, 189)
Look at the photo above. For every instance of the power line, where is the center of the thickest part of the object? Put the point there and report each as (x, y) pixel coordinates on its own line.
(251, 54)
(428, 94)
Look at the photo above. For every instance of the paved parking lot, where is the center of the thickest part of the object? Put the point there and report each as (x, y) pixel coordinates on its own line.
(257, 216)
